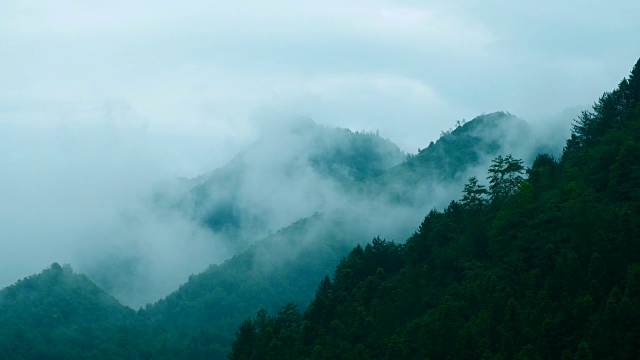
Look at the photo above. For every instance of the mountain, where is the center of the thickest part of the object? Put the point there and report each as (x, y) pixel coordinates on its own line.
(458, 154)
(303, 168)
(538, 265)
(282, 266)
(295, 170)
(348, 184)
(286, 265)
(39, 311)
(292, 172)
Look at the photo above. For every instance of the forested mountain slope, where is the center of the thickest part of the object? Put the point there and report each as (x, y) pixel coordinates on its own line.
(457, 154)
(362, 185)
(58, 314)
(286, 265)
(304, 168)
(542, 265)
(291, 172)
(198, 320)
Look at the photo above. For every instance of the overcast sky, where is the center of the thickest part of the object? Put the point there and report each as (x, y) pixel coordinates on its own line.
(100, 98)
(222, 69)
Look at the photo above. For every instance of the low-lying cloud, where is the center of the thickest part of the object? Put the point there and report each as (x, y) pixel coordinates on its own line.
(81, 195)
(106, 198)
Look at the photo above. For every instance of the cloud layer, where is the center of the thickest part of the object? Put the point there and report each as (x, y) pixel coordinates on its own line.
(407, 69)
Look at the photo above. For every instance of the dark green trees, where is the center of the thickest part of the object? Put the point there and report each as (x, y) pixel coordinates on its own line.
(474, 195)
(542, 265)
(505, 175)
(268, 337)
(58, 314)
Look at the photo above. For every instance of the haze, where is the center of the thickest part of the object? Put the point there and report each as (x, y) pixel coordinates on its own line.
(100, 103)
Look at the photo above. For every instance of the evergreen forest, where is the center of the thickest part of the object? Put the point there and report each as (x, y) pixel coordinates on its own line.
(543, 263)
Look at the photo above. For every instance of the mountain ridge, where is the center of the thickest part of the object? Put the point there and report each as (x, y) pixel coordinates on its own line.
(542, 265)
(321, 239)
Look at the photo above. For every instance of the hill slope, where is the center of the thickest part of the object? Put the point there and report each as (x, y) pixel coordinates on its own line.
(537, 267)
(456, 155)
(198, 320)
(287, 265)
(59, 314)
(292, 172)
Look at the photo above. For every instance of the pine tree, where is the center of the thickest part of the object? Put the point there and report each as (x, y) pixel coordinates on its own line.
(474, 195)
(505, 175)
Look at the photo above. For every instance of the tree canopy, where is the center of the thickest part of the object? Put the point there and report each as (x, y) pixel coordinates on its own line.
(550, 270)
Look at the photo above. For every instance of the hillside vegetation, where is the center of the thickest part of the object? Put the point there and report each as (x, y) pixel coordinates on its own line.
(542, 265)
(539, 261)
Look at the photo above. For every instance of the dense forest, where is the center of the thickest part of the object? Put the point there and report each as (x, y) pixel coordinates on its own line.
(538, 258)
(199, 319)
(543, 263)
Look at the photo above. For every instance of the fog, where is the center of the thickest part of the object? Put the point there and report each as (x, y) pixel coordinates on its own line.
(81, 195)
(107, 199)
(111, 113)
(219, 69)
(88, 196)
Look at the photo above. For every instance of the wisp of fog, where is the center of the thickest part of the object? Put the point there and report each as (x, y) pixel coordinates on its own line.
(107, 200)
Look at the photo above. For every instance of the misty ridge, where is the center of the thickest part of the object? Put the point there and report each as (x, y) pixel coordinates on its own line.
(542, 242)
(77, 195)
(201, 254)
(362, 184)
(106, 205)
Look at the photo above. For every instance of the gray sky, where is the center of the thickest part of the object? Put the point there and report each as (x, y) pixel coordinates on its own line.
(223, 69)
(101, 99)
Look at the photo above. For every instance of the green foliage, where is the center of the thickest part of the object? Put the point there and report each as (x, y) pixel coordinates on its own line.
(59, 314)
(352, 155)
(196, 321)
(211, 304)
(200, 318)
(505, 175)
(447, 159)
(474, 195)
(551, 270)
